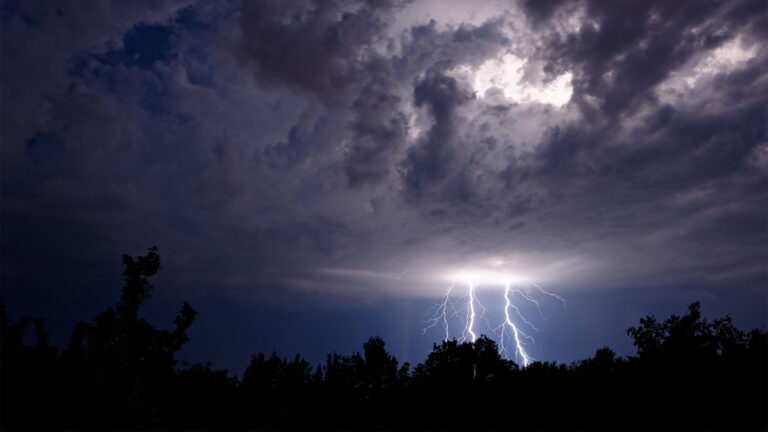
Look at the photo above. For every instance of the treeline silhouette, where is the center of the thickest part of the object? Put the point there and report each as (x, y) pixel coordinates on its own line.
(119, 372)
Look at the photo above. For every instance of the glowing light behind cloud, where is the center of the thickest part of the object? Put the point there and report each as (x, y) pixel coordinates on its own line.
(485, 277)
(506, 74)
(426, 275)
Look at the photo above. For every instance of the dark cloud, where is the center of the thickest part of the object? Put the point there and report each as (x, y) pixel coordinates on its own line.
(311, 46)
(627, 48)
(540, 11)
(626, 136)
(431, 160)
(427, 44)
(221, 184)
(301, 141)
(380, 127)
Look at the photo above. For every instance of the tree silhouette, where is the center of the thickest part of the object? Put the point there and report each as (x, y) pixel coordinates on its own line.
(28, 372)
(119, 372)
(688, 336)
(126, 364)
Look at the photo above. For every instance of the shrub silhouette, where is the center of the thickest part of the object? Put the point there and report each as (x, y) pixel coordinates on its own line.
(119, 372)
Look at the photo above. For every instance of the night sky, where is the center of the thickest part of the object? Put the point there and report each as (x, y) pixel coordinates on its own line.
(316, 173)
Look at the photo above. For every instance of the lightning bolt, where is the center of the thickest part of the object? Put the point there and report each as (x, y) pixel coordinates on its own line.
(519, 349)
(440, 313)
(525, 293)
(471, 314)
(562, 300)
(519, 314)
(513, 339)
(475, 311)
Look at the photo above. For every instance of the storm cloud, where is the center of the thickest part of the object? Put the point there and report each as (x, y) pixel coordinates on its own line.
(344, 152)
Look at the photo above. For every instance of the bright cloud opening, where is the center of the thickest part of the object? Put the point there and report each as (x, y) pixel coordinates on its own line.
(730, 56)
(506, 74)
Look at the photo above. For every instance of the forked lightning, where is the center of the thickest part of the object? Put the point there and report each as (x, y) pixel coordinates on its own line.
(444, 311)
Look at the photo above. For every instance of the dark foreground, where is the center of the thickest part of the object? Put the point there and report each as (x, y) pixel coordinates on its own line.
(119, 372)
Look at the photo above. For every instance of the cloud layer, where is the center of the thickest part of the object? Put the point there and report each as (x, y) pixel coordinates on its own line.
(282, 149)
